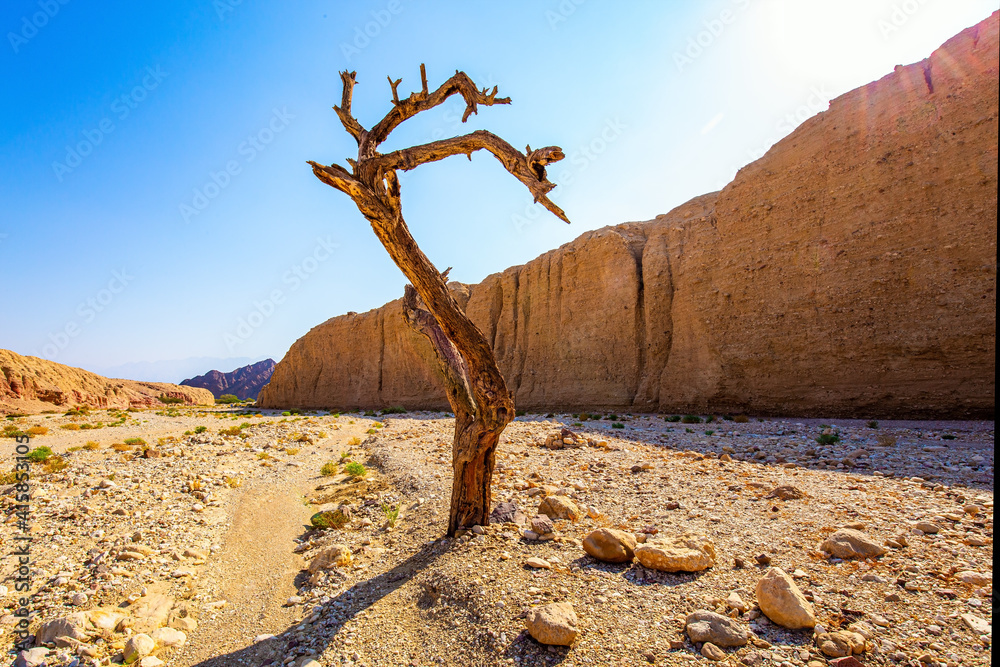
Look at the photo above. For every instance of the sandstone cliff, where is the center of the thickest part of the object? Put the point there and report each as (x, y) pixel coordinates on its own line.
(30, 384)
(851, 271)
(244, 382)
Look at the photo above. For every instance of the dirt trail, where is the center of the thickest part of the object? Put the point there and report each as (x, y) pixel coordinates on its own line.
(255, 570)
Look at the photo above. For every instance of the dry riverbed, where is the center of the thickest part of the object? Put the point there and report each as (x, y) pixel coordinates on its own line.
(203, 545)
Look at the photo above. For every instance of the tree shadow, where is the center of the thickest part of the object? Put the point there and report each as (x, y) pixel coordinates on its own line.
(340, 610)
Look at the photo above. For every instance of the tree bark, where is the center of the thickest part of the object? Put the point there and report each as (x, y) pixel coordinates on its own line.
(477, 392)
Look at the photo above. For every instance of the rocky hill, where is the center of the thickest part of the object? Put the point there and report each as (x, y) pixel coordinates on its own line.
(850, 271)
(244, 383)
(31, 384)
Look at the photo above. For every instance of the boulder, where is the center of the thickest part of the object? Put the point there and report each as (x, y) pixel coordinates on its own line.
(782, 601)
(138, 646)
(559, 507)
(686, 553)
(850, 543)
(554, 624)
(610, 545)
(840, 643)
(707, 626)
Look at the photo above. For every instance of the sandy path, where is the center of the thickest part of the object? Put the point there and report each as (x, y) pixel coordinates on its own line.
(255, 570)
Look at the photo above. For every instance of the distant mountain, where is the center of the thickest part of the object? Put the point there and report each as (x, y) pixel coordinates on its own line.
(172, 370)
(245, 382)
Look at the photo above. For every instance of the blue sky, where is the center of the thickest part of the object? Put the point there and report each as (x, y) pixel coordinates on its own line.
(156, 203)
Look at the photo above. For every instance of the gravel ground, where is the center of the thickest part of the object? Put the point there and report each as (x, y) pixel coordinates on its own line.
(238, 505)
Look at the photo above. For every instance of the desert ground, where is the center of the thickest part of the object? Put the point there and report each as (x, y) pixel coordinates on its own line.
(199, 538)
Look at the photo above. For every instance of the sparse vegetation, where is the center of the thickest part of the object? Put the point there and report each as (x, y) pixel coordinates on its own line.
(691, 419)
(38, 430)
(672, 418)
(39, 454)
(873, 424)
(329, 469)
(741, 419)
(618, 425)
(169, 399)
(135, 442)
(395, 410)
(227, 399)
(91, 445)
(329, 519)
(390, 512)
(828, 438)
(54, 464)
(70, 427)
(354, 442)
(355, 469)
(200, 429)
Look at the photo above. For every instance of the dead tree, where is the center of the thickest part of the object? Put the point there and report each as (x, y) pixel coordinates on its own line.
(479, 397)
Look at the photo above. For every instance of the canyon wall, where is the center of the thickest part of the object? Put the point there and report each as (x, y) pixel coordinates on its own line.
(851, 271)
(31, 384)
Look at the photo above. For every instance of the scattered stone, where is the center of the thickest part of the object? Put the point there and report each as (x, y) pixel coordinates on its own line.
(338, 555)
(169, 637)
(840, 643)
(782, 601)
(559, 507)
(538, 563)
(554, 624)
(786, 492)
(712, 652)
(138, 646)
(927, 527)
(975, 578)
(707, 626)
(978, 625)
(686, 553)
(33, 657)
(507, 512)
(850, 543)
(762, 559)
(734, 601)
(610, 545)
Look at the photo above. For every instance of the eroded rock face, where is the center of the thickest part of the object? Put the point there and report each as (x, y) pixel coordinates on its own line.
(31, 384)
(849, 271)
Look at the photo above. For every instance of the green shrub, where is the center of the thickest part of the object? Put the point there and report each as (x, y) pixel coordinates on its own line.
(395, 410)
(741, 419)
(355, 469)
(709, 432)
(827, 438)
(691, 419)
(618, 425)
(200, 429)
(672, 418)
(135, 442)
(39, 454)
(329, 519)
(873, 424)
(329, 469)
(169, 399)
(227, 399)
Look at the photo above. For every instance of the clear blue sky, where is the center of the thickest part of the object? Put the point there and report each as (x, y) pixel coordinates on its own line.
(116, 115)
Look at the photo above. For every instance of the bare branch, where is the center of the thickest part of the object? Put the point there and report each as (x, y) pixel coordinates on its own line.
(394, 85)
(350, 123)
(402, 109)
(529, 168)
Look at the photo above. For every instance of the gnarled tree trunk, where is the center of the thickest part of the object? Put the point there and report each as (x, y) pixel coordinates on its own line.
(479, 397)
